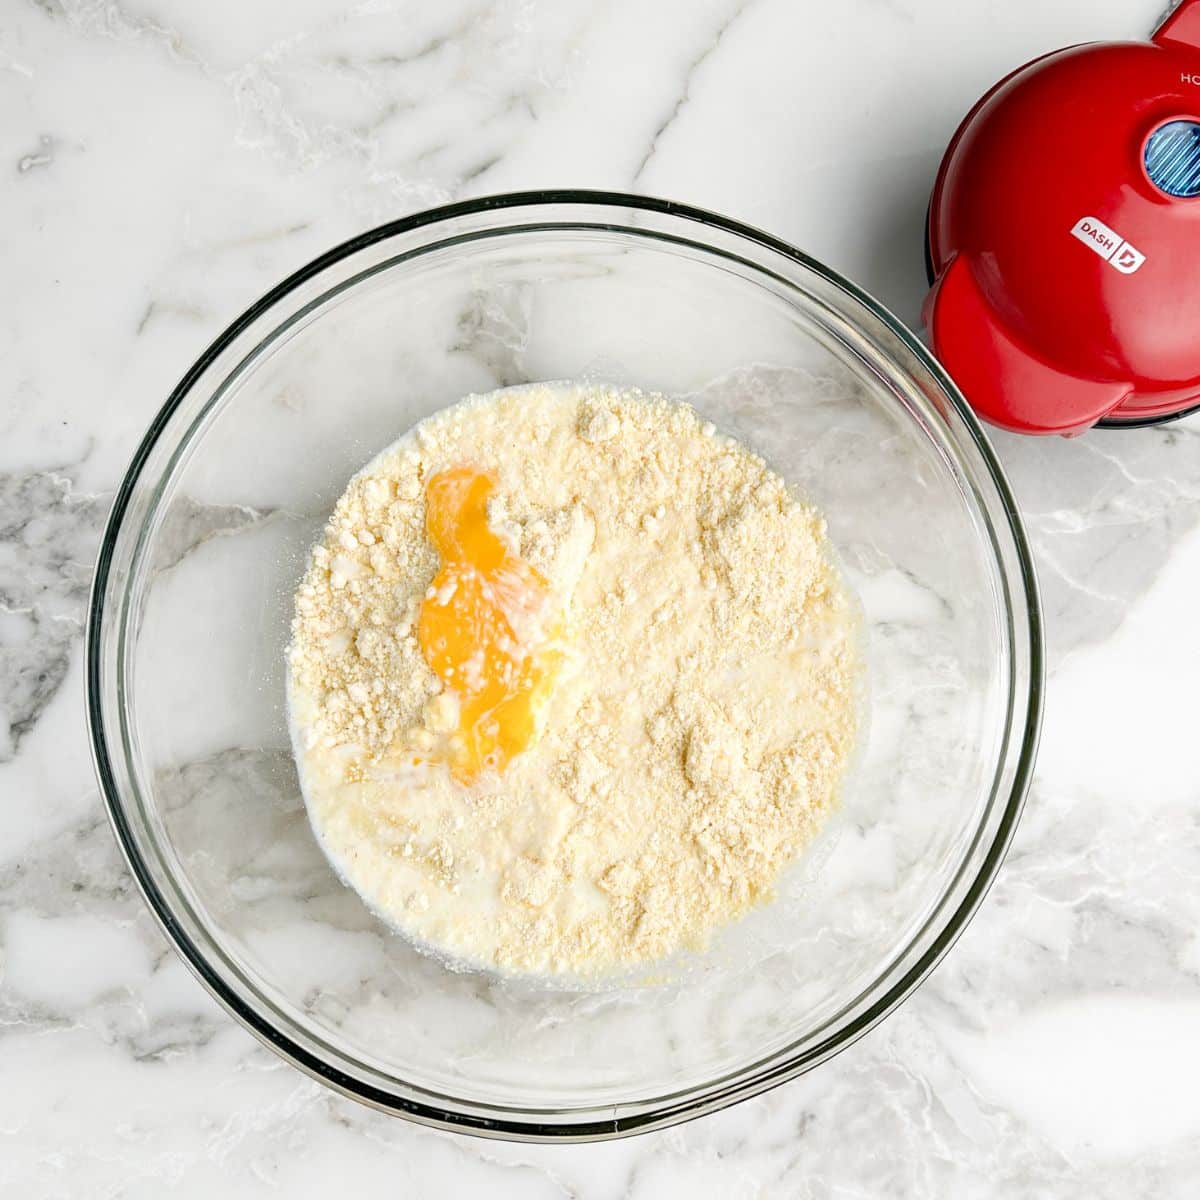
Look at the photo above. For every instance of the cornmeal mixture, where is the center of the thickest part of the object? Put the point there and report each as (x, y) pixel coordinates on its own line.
(572, 679)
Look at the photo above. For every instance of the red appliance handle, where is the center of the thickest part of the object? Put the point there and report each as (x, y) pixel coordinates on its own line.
(1182, 27)
(980, 352)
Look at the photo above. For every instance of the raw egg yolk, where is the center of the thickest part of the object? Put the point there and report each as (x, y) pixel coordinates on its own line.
(483, 628)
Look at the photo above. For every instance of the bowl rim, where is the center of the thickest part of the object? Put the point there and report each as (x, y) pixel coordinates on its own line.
(713, 1098)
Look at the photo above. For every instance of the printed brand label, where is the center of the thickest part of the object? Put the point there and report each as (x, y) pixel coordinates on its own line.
(1109, 244)
(1127, 259)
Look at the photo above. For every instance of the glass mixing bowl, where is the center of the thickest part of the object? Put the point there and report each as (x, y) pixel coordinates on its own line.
(230, 487)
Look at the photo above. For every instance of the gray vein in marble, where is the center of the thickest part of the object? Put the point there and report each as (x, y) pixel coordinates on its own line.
(49, 538)
(79, 876)
(1103, 512)
(494, 331)
(43, 156)
(160, 308)
(685, 91)
(189, 524)
(432, 46)
(473, 173)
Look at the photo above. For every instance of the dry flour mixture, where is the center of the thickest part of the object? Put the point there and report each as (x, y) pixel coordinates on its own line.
(572, 679)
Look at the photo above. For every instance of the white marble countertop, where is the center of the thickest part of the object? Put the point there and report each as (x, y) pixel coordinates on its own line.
(163, 163)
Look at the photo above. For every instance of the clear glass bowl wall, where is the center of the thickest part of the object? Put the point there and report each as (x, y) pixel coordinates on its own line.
(230, 489)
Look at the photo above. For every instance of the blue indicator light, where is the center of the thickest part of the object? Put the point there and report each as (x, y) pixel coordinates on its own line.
(1173, 158)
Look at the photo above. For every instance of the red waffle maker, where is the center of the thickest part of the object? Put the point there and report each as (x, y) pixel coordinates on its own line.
(1063, 242)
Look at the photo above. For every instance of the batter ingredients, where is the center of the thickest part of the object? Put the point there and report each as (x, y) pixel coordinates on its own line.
(479, 627)
(572, 679)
